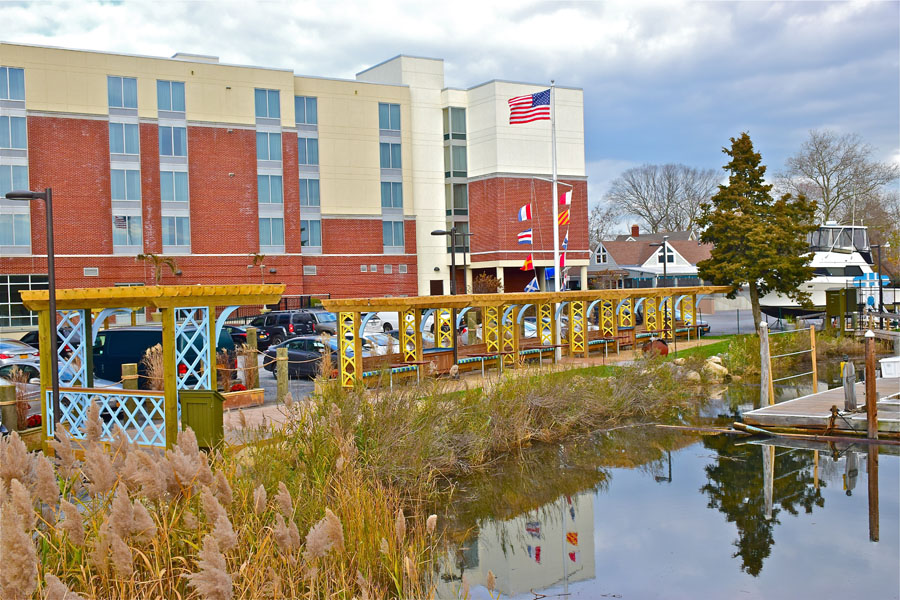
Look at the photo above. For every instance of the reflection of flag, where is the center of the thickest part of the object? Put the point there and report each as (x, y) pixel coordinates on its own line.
(572, 512)
(535, 553)
(529, 264)
(533, 528)
(572, 538)
(525, 237)
(533, 286)
(563, 218)
(525, 212)
(562, 260)
(120, 222)
(548, 273)
(565, 244)
(528, 108)
(574, 556)
(566, 198)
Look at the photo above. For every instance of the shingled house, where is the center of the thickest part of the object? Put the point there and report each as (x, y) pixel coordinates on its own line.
(637, 260)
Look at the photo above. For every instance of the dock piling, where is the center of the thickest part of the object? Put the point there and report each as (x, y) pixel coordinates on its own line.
(871, 393)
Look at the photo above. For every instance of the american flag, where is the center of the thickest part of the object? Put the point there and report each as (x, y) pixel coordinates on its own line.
(120, 222)
(533, 107)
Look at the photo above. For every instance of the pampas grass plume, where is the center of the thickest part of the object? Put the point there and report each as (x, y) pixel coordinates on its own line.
(430, 524)
(224, 533)
(99, 470)
(211, 507)
(65, 454)
(54, 589)
(212, 581)
(324, 536)
(400, 526)
(13, 458)
(121, 515)
(72, 525)
(384, 547)
(93, 426)
(21, 504)
(283, 499)
(491, 581)
(143, 525)
(259, 500)
(121, 556)
(223, 489)
(18, 577)
(46, 487)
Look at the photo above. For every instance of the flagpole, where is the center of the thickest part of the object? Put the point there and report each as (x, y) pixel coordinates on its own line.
(557, 272)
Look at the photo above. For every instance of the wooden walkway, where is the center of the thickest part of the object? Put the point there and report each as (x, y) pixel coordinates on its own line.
(814, 411)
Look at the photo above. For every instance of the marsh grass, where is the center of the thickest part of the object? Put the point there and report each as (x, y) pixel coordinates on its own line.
(743, 351)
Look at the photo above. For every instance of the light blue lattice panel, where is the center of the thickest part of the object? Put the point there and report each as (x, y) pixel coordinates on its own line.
(140, 415)
(72, 346)
(192, 345)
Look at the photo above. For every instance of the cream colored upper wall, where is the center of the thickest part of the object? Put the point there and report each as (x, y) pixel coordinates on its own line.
(349, 151)
(495, 146)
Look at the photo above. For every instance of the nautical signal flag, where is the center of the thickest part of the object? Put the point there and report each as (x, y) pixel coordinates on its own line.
(566, 198)
(533, 286)
(563, 217)
(572, 537)
(565, 244)
(528, 108)
(525, 237)
(562, 260)
(525, 213)
(549, 273)
(529, 264)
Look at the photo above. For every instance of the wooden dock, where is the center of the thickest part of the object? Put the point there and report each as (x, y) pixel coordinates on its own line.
(814, 411)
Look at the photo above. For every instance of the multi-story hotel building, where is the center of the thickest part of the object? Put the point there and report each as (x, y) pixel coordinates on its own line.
(334, 185)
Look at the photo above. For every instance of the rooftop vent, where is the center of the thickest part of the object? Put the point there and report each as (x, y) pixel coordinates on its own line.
(195, 57)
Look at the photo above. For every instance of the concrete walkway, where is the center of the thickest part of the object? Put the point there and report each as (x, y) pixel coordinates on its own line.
(238, 420)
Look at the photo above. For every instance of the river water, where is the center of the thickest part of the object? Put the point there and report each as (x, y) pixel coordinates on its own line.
(651, 512)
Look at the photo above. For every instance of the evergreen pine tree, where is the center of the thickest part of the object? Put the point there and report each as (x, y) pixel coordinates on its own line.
(759, 241)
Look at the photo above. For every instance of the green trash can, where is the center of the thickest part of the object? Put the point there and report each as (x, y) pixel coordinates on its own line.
(201, 410)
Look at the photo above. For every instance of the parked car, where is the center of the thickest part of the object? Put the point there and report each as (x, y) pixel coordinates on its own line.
(13, 350)
(304, 355)
(32, 338)
(386, 321)
(123, 345)
(239, 336)
(325, 321)
(283, 325)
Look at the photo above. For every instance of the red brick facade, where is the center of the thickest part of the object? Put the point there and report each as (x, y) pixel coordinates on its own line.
(494, 204)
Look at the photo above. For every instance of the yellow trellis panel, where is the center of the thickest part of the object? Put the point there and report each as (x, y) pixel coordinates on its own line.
(651, 318)
(443, 329)
(492, 328)
(668, 317)
(546, 322)
(577, 328)
(411, 335)
(608, 318)
(349, 348)
(688, 308)
(626, 313)
(509, 337)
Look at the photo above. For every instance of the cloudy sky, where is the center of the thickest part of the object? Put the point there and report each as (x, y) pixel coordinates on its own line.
(663, 82)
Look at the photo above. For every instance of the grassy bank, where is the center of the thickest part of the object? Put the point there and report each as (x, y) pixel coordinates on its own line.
(331, 505)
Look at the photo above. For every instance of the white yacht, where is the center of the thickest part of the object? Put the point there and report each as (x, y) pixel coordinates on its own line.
(841, 258)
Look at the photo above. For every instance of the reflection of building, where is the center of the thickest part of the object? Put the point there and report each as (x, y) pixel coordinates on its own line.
(535, 550)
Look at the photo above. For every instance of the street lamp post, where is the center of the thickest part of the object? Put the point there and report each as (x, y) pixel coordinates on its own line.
(47, 197)
(665, 249)
(452, 233)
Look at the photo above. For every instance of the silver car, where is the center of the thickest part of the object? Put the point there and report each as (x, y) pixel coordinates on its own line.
(14, 351)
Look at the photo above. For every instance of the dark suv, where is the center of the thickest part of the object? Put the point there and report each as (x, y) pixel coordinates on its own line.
(283, 325)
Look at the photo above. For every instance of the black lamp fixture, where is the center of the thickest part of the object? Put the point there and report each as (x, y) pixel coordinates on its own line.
(47, 197)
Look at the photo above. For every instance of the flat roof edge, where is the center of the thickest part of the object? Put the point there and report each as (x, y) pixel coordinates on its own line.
(384, 62)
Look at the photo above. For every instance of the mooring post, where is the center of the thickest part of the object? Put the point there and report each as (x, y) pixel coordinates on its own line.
(8, 414)
(871, 395)
(766, 385)
(252, 373)
(812, 347)
(848, 378)
(282, 371)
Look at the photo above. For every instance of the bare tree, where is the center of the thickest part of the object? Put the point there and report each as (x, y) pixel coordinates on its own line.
(665, 197)
(838, 173)
(603, 220)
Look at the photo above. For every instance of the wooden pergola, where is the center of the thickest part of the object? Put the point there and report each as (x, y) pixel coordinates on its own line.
(502, 319)
(190, 329)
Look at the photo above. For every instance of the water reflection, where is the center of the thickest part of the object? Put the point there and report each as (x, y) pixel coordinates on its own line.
(655, 513)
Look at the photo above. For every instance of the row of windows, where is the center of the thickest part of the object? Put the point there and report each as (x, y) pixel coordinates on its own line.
(12, 83)
(124, 138)
(12, 133)
(388, 269)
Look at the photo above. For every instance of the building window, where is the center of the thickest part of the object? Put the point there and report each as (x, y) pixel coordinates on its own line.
(15, 229)
(454, 123)
(267, 104)
(311, 232)
(12, 312)
(373, 268)
(455, 161)
(363, 268)
(665, 255)
(391, 194)
(389, 116)
(392, 233)
(173, 186)
(402, 269)
(462, 239)
(12, 133)
(306, 110)
(457, 200)
(123, 138)
(307, 151)
(309, 269)
(269, 189)
(602, 256)
(390, 156)
(122, 92)
(127, 231)
(268, 146)
(309, 192)
(176, 231)
(388, 269)
(271, 232)
(12, 83)
(13, 177)
(125, 184)
(170, 95)
(172, 141)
